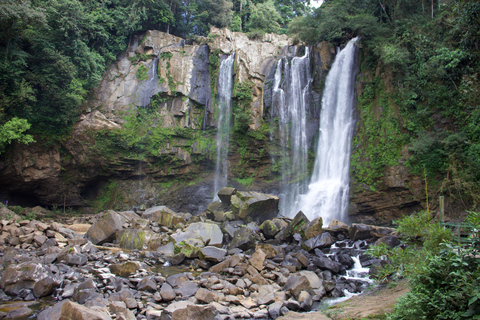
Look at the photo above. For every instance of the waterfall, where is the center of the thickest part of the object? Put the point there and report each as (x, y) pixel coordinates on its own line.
(149, 87)
(328, 191)
(291, 106)
(223, 117)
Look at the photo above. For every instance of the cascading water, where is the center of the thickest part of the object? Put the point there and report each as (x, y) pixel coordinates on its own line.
(291, 109)
(150, 86)
(225, 88)
(328, 191)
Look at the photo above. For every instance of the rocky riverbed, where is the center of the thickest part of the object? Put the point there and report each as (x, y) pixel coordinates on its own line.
(235, 260)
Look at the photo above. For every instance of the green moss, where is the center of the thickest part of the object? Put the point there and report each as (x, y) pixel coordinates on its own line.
(214, 68)
(142, 73)
(139, 57)
(379, 140)
(110, 197)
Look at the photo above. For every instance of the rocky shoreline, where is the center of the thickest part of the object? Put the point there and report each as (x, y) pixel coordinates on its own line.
(236, 260)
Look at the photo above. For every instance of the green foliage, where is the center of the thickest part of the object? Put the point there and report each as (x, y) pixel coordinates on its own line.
(379, 141)
(110, 197)
(12, 130)
(446, 287)
(142, 72)
(139, 57)
(246, 181)
(242, 99)
(214, 68)
(424, 237)
(264, 17)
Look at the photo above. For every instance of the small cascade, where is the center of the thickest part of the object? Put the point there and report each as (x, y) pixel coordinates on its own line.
(149, 87)
(223, 117)
(328, 191)
(358, 272)
(289, 95)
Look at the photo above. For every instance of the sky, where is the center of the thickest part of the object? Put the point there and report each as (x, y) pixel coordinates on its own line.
(316, 3)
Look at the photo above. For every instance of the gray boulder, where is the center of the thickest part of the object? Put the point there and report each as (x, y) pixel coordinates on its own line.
(212, 254)
(105, 228)
(243, 239)
(325, 263)
(75, 311)
(209, 233)
(22, 276)
(164, 216)
(321, 241)
(225, 194)
(254, 206)
(188, 310)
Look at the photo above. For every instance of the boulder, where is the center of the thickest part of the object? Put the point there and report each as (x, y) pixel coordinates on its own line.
(321, 241)
(186, 289)
(76, 259)
(217, 211)
(125, 269)
(360, 231)
(74, 311)
(325, 263)
(167, 250)
(190, 247)
(296, 283)
(147, 284)
(46, 286)
(271, 251)
(166, 292)
(105, 228)
(176, 259)
(22, 276)
(254, 206)
(225, 194)
(257, 259)
(164, 216)
(212, 254)
(269, 229)
(187, 310)
(205, 296)
(391, 241)
(243, 239)
(134, 239)
(53, 312)
(305, 301)
(266, 294)
(298, 225)
(5, 213)
(209, 233)
(315, 228)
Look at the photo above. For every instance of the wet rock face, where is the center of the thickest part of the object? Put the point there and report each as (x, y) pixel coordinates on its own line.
(400, 193)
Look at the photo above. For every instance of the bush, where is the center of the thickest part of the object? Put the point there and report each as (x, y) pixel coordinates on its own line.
(447, 287)
(424, 239)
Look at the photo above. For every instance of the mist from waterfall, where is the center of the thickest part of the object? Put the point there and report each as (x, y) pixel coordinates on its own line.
(290, 90)
(223, 117)
(328, 190)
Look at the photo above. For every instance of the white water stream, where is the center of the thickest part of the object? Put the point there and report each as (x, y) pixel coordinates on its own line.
(328, 191)
(291, 107)
(223, 117)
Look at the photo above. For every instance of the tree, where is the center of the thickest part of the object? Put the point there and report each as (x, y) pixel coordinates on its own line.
(264, 17)
(14, 130)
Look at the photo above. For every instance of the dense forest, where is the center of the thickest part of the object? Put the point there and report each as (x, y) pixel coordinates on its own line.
(420, 62)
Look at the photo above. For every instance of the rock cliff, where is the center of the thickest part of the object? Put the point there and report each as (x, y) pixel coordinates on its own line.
(147, 135)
